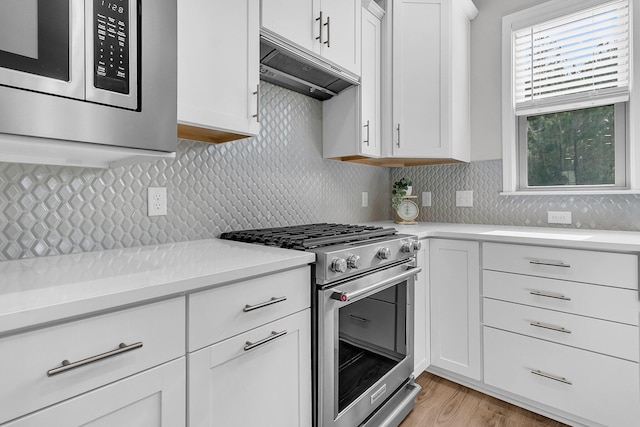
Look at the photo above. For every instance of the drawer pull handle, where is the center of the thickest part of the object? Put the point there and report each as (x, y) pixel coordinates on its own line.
(551, 377)
(549, 295)
(271, 337)
(359, 319)
(273, 300)
(66, 365)
(549, 263)
(551, 327)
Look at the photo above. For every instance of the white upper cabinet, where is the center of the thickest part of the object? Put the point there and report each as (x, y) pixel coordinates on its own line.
(430, 62)
(351, 120)
(218, 69)
(329, 28)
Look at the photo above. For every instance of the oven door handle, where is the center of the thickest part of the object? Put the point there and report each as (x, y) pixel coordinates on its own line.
(339, 295)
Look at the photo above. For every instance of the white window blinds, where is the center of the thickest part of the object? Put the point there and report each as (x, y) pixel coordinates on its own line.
(574, 61)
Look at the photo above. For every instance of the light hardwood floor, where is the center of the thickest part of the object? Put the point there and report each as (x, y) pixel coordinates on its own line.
(444, 403)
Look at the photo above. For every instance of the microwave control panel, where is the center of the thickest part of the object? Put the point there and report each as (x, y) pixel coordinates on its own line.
(111, 45)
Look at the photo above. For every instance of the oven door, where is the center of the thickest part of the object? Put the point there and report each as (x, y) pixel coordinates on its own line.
(365, 344)
(42, 46)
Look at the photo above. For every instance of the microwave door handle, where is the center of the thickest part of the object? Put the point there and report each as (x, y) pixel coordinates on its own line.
(342, 296)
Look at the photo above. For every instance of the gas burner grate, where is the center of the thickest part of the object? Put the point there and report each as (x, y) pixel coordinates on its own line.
(308, 236)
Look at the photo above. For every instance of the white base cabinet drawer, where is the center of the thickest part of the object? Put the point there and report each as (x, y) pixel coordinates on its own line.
(231, 385)
(601, 336)
(600, 388)
(27, 358)
(561, 295)
(604, 268)
(220, 313)
(153, 398)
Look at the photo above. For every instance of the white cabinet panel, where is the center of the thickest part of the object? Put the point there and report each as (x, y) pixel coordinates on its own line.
(422, 324)
(430, 80)
(329, 28)
(269, 385)
(160, 327)
(351, 120)
(454, 276)
(218, 68)
(153, 398)
(599, 388)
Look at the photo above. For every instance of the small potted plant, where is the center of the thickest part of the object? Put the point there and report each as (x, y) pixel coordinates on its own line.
(400, 189)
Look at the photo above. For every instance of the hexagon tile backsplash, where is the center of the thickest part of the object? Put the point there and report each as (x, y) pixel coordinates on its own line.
(277, 178)
(604, 212)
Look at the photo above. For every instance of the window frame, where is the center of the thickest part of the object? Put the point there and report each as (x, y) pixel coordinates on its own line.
(513, 145)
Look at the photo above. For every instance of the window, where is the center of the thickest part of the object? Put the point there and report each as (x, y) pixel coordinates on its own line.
(565, 106)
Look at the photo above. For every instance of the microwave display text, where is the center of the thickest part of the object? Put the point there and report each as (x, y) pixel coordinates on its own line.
(111, 45)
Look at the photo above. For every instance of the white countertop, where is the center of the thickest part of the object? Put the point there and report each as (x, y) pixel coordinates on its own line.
(617, 241)
(40, 290)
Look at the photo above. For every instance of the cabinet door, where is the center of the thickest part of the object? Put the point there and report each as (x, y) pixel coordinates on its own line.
(152, 398)
(341, 33)
(370, 84)
(455, 306)
(267, 385)
(422, 329)
(417, 46)
(297, 21)
(218, 66)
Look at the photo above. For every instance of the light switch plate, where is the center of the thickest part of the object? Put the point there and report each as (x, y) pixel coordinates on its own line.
(426, 198)
(365, 199)
(464, 199)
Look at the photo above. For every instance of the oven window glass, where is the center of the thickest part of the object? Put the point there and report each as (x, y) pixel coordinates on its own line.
(372, 341)
(35, 37)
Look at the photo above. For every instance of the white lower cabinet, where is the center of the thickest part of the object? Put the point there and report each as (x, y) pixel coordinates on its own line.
(259, 378)
(126, 367)
(454, 276)
(598, 388)
(153, 398)
(250, 353)
(561, 331)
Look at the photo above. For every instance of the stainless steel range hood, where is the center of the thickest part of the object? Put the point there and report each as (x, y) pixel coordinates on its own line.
(288, 66)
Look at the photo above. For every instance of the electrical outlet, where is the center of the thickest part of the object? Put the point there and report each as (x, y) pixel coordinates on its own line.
(365, 199)
(426, 198)
(556, 217)
(464, 199)
(156, 201)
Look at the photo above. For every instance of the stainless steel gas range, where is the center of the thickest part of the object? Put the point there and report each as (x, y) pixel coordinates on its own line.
(362, 293)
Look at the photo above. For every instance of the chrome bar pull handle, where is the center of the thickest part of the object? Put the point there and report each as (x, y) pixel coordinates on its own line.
(359, 319)
(257, 94)
(551, 377)
(550, 327)
(398, 129)
(66, 365)
(328, 24)
(319, 38)
(367, 126)
(274, 335)
(273, 300)
(550, 295)
(549, 263)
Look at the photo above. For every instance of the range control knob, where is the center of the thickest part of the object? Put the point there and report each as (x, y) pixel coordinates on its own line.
(353, 261)
(338, 265)
(417, 245)
(407, 247)
(384, 253)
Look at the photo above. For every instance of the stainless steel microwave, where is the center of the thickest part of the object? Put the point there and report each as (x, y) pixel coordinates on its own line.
(93, 71)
